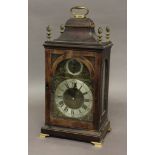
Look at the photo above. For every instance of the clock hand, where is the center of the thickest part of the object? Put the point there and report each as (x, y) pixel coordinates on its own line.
(75, 85)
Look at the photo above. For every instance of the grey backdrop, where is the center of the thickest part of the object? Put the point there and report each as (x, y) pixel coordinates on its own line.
(56, 12)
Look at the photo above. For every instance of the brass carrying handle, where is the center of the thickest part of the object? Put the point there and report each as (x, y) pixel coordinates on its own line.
(78, 15)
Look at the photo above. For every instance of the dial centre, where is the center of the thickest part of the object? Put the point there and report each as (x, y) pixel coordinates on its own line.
(73, 98)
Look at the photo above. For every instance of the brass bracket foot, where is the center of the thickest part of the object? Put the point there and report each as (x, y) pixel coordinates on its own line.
(97, 144)
(109, 130)
(42, 135)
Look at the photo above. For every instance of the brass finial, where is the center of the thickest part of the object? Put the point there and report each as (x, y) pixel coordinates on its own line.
(62, 28)
(100, 31)
(107, 34)
(49, 32)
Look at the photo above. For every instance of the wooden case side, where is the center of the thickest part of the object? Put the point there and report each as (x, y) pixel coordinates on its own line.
(104, 90)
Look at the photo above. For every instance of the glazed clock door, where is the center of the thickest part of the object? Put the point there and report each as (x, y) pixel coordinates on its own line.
(72, 93)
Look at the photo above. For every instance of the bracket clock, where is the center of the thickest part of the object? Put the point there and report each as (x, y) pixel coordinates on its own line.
(77, 80)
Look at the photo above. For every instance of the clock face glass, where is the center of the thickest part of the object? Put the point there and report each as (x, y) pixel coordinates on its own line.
(72, 92)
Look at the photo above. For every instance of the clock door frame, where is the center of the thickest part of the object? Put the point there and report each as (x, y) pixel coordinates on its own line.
(96, 59)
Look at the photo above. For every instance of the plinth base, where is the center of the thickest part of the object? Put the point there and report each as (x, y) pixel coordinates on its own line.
(77, 134)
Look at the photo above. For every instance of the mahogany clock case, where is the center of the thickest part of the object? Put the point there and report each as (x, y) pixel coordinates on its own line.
(83, 131)
(78, 42)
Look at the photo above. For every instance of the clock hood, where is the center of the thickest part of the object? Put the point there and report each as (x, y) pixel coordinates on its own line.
(79, 31)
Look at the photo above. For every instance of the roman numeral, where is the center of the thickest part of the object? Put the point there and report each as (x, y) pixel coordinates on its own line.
(85, 93)
(66, 84)
(66, 109)
(72, 84)
(72, 112)
(84, 106)
(86, 100)
(60, 97)
(80, 111)
(61, 103)
(80, 87)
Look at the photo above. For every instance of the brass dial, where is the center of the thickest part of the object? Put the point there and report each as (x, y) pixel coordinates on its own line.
(73, 98)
